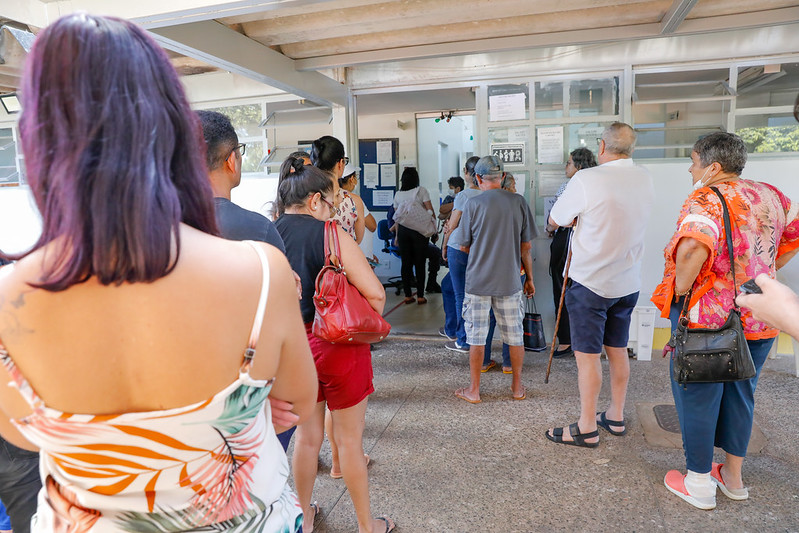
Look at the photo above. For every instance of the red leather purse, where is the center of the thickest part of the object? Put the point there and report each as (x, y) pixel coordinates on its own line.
(343, 315)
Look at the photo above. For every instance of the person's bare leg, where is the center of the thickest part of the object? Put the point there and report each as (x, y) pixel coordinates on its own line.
(619, 363)
(589, 382)
(516, 363)
(335, 467)
(476, 354)
(349, 424)
(732, 473)
(307, 443)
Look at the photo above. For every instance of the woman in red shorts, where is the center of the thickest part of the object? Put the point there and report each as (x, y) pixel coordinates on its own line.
(305, 201)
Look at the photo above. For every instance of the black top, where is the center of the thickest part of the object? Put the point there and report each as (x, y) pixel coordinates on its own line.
(238, 224)
(304, 237)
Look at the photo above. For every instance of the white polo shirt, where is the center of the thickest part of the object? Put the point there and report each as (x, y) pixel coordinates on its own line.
(613, 202)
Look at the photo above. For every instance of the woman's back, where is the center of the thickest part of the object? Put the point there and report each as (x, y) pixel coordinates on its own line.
(181, 433)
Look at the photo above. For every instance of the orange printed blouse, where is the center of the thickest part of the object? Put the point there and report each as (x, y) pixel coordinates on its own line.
(764, 226)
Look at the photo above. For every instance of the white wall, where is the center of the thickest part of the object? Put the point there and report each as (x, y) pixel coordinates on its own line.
(453, 134)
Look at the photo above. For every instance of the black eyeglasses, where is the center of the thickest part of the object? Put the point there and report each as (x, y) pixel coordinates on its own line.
(241, 147)
(346, 160)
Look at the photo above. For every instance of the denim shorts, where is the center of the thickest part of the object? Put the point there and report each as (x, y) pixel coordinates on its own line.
(597, 321)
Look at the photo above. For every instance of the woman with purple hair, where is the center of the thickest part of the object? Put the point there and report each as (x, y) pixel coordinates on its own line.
(142, 348)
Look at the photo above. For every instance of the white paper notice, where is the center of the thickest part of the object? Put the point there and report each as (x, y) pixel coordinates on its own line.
(384, 151)
(369, 179)
(388, 175)
(506, 107)
(382, 198)
(371, 174)
(517, 135)
(549, 181)
(550, 145)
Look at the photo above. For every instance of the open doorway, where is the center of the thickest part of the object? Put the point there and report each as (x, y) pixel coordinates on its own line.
(443, 146)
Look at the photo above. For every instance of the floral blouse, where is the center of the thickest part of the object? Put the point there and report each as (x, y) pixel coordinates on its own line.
(764, 226)
(347, 213)
(211, 466)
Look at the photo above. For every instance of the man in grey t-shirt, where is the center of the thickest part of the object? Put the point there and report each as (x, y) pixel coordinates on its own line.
(497, 230)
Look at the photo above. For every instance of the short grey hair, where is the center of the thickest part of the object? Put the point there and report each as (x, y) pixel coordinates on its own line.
(726, 149)
(619, 139)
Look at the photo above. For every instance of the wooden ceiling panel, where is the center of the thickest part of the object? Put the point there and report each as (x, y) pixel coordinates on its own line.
(715, 8)
(419, 15)
(633, 14)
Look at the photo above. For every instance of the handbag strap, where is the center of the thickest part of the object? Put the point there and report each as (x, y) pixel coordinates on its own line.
(332, 235)
(728, 235)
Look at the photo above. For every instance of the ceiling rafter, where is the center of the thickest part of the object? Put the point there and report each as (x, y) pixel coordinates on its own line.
(676, 15)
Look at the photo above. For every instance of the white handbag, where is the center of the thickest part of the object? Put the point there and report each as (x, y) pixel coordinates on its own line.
(413, 215)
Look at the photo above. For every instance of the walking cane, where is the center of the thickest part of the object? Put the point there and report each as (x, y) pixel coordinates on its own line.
(560, 308)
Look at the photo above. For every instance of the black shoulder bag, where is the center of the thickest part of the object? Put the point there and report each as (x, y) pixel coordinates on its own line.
(707, 355)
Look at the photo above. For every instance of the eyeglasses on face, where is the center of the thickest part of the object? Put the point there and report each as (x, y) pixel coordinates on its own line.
(346, 160)
(241, 147)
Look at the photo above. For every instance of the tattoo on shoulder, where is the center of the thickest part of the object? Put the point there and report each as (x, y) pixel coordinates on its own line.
(10, 325)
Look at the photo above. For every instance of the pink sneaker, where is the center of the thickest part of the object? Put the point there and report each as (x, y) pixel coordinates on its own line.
(675, 482)
(733, 494)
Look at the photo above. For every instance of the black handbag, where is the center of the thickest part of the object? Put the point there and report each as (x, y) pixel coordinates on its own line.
(534, 340)
(708, 355)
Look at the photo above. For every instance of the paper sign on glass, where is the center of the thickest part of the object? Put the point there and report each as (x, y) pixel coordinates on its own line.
(506, 107)
(371, 173)
(550, 145)
(369, 180)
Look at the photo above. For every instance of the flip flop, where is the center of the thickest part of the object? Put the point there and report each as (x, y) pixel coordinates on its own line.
(389, 524)
(316, 511)
(522, 397)
(339, 475)
(460, 394)
(489, 366)
(604, 422)
(507, 370)
(578, 438)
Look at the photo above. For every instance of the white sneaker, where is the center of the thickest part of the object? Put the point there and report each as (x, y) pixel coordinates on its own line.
(675, 482)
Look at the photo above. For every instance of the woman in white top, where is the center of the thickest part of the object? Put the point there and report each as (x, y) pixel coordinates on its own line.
(412, 244)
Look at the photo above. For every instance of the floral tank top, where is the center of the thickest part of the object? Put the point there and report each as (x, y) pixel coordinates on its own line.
(212, 466)
(765, 225)
(347, 213)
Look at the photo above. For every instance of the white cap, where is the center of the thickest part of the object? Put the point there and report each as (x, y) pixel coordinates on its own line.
(349, 168)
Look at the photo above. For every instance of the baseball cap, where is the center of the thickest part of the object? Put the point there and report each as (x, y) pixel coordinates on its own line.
(488, 166)
(349, 168)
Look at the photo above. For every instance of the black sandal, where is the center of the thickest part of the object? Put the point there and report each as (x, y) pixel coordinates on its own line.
(604, 422)
(389, 525)
(578, 438)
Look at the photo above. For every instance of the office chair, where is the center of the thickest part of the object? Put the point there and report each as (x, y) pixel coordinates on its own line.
(385, 235)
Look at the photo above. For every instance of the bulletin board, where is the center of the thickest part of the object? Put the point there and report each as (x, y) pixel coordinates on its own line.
(380, 173)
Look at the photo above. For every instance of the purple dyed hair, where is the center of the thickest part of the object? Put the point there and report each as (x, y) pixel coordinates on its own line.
(113, 151)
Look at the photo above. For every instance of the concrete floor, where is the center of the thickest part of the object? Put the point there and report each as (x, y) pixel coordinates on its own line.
(441, 464)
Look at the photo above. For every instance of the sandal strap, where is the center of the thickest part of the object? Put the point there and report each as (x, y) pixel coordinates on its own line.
(608, 421)
(579, 437)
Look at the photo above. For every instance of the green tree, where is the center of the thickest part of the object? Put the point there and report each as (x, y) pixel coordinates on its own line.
(771, 139)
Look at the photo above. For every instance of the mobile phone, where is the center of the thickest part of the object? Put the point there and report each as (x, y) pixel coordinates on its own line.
(750, 287)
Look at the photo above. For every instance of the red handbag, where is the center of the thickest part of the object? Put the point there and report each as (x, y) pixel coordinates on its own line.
(343, 315)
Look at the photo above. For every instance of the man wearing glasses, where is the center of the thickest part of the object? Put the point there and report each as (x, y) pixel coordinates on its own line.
(224, 157)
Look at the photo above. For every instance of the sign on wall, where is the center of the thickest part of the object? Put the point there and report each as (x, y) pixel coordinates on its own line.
(509, 153)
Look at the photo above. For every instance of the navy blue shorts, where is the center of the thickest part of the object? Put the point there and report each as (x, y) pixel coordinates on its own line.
(595, 320)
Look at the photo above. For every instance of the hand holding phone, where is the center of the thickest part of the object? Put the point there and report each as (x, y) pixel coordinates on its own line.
(750, 287)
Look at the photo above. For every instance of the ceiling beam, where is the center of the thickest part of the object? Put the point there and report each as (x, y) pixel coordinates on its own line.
(29, 12)
(158, 13)
(218, 45)
(676, 15)
(773, 17)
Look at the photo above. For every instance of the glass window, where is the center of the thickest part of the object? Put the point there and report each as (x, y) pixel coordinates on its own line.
(768, 133)
(508, 102)
(593, 97)
(767, 85)
(671, 129)
(245, 119)
(548, 99)
(8, 158)
(510, 145)
(687, 84)
(585, 136)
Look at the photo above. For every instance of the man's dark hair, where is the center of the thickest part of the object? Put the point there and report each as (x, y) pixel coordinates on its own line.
(470, 163)
(455, 182)
(220, 137)
(583, 158)
(409, 179)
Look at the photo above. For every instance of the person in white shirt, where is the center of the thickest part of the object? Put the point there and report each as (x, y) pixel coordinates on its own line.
(611, 204)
